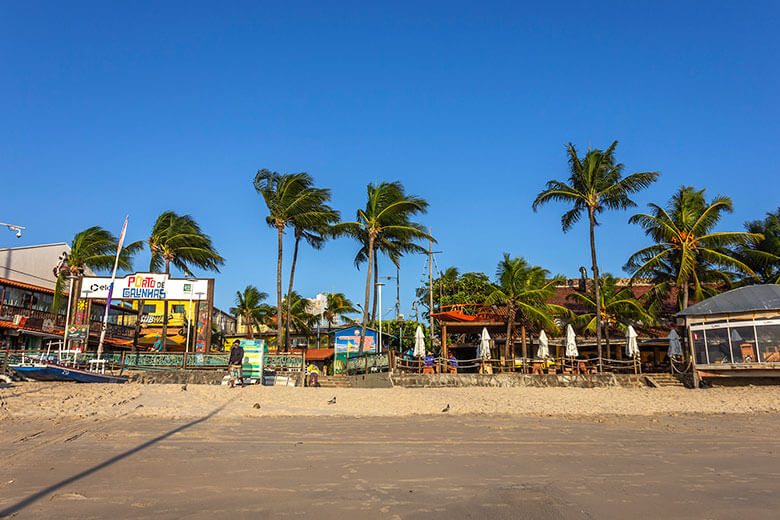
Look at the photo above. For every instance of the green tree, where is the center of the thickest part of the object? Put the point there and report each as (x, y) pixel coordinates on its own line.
(337, 305)
(93, 248)
(177, 240)
(466, 288)
(252, 310)
(619, 307)
(595, 183)
(299, 317)
(524, 289)
(218, 338)
(686, 245)
(763, 257)
(289, 198)
(388, 210)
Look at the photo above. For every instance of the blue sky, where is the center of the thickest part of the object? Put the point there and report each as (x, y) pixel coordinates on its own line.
(111, 110)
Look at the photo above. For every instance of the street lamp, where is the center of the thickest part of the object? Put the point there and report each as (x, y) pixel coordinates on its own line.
(379, 287)
(14, 227)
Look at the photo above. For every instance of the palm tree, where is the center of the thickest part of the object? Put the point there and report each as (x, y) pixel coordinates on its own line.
(251, 309)
(298, 316)
(388, 210)
(179, 241)
(764, 256)
(685, 244)
(95, 249)
(312, 224)
(524, 289)
(619, 307)
(595, 183)
(337, 305)
(218, 338)
(288, 197)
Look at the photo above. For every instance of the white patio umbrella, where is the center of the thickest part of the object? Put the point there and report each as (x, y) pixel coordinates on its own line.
(632, 349)
(483, 352)
(571, 344)
(544, 347)
(419, 342)
(735, 335)
(675, 347)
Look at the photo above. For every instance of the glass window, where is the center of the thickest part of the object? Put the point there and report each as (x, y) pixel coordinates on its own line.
(718, 345)
(13, 296)
(743, 343)
(699, 347)
(43, 302)
(177, 309)
(769, 343)
(150, 308)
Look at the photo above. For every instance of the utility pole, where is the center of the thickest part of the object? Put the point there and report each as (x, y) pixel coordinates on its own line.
(430, 254)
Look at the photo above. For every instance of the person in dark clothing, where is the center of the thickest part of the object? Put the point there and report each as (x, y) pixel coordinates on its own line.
(234, 364)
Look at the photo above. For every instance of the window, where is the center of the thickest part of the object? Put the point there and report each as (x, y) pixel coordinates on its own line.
(150, 309)
(699, 347)
(769, 343)
(718, 349)
(743, 343)
(177, 309)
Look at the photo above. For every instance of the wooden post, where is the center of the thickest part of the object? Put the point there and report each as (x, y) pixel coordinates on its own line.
(444, 341)
(693, 355)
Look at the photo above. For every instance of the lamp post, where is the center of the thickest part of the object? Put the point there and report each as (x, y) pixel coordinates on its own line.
(190, 321)
(379, 303)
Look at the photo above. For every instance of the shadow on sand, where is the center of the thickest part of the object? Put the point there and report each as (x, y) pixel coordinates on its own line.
(54, 487)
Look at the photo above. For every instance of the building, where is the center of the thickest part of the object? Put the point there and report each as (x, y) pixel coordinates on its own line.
(736, 333)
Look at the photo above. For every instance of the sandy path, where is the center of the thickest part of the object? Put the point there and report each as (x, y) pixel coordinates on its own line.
(51, 400)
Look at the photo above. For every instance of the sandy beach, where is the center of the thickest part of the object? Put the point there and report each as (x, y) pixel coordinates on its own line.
(50, 400)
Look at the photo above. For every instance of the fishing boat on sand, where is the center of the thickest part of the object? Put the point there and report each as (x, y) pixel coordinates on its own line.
(66, 367)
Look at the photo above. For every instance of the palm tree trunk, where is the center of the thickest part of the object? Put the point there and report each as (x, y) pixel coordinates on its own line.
(137, 332)
(685, 296)
(376, 281)
(371, 236)
(250, 326)
(597, 287)
(289, 292)
(509, 323)
(525, 348)
(606, 341)
(279, 291)
(165, 314)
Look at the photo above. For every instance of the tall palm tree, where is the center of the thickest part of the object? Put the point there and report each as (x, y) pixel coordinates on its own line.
(524, 289)
(337, 305)
(595, 183)
(764, 256)
(252, 310)
(685, 243)
(93, 248)
(619, 307)
(313, 224)
(298, 316)
(177, 240)
(288, 196)
(388, 211)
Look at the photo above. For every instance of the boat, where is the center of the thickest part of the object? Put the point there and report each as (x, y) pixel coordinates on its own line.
(66, 368)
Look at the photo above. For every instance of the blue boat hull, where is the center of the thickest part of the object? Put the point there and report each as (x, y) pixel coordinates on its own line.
(59, 373)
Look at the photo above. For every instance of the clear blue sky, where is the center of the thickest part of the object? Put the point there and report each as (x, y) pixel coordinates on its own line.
(110, 110)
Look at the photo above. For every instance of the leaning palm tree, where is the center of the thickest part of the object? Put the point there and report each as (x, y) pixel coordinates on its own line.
(287, 196)
(388, 211)
(763, 257)
(524, 289)
(595, 183)
(313, 224)
(251, 309)
(94, 249)
(619, 308)
(177, 240)
(685, 243)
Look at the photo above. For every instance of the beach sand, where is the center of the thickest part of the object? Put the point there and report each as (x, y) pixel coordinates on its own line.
(42, 400)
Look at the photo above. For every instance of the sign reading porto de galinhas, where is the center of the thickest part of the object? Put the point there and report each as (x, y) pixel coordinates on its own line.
(145, 286)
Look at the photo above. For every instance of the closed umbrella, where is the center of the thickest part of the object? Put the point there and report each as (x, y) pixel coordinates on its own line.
(735, 335)
(419, 342)
(632, 349)
(544, 348)
(571, 344)
(483, 352)
(675, 347)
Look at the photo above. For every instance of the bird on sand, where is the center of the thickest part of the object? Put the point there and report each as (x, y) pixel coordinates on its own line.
(332, 401)
(446, 408)
(184, 388)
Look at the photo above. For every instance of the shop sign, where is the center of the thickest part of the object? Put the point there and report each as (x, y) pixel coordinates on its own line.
(145, 286)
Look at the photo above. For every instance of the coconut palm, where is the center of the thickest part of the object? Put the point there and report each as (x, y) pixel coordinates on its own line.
(685, 243)
(298, 316)
(524, 289)
(178, 241)
(337, 305)
(763, 257)
(619, 308)
(251, 309)
(311, 223)
(595, 183)
(93, 248)
(388, 211)
(288, 197)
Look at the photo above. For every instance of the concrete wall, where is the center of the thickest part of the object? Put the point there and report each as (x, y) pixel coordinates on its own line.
(510, 380)
(377, 380)
(180, 377)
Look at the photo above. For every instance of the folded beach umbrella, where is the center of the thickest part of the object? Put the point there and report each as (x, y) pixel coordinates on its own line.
(483, 352)
(735, 335)
(571, 344)
(544, 346)
(632, 349)
(419, 342)
(675, 348)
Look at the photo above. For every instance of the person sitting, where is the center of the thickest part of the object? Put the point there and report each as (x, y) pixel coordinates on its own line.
(452, 364)
(428, 367)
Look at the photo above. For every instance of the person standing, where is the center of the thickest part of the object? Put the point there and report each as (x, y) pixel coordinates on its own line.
(234, 364)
